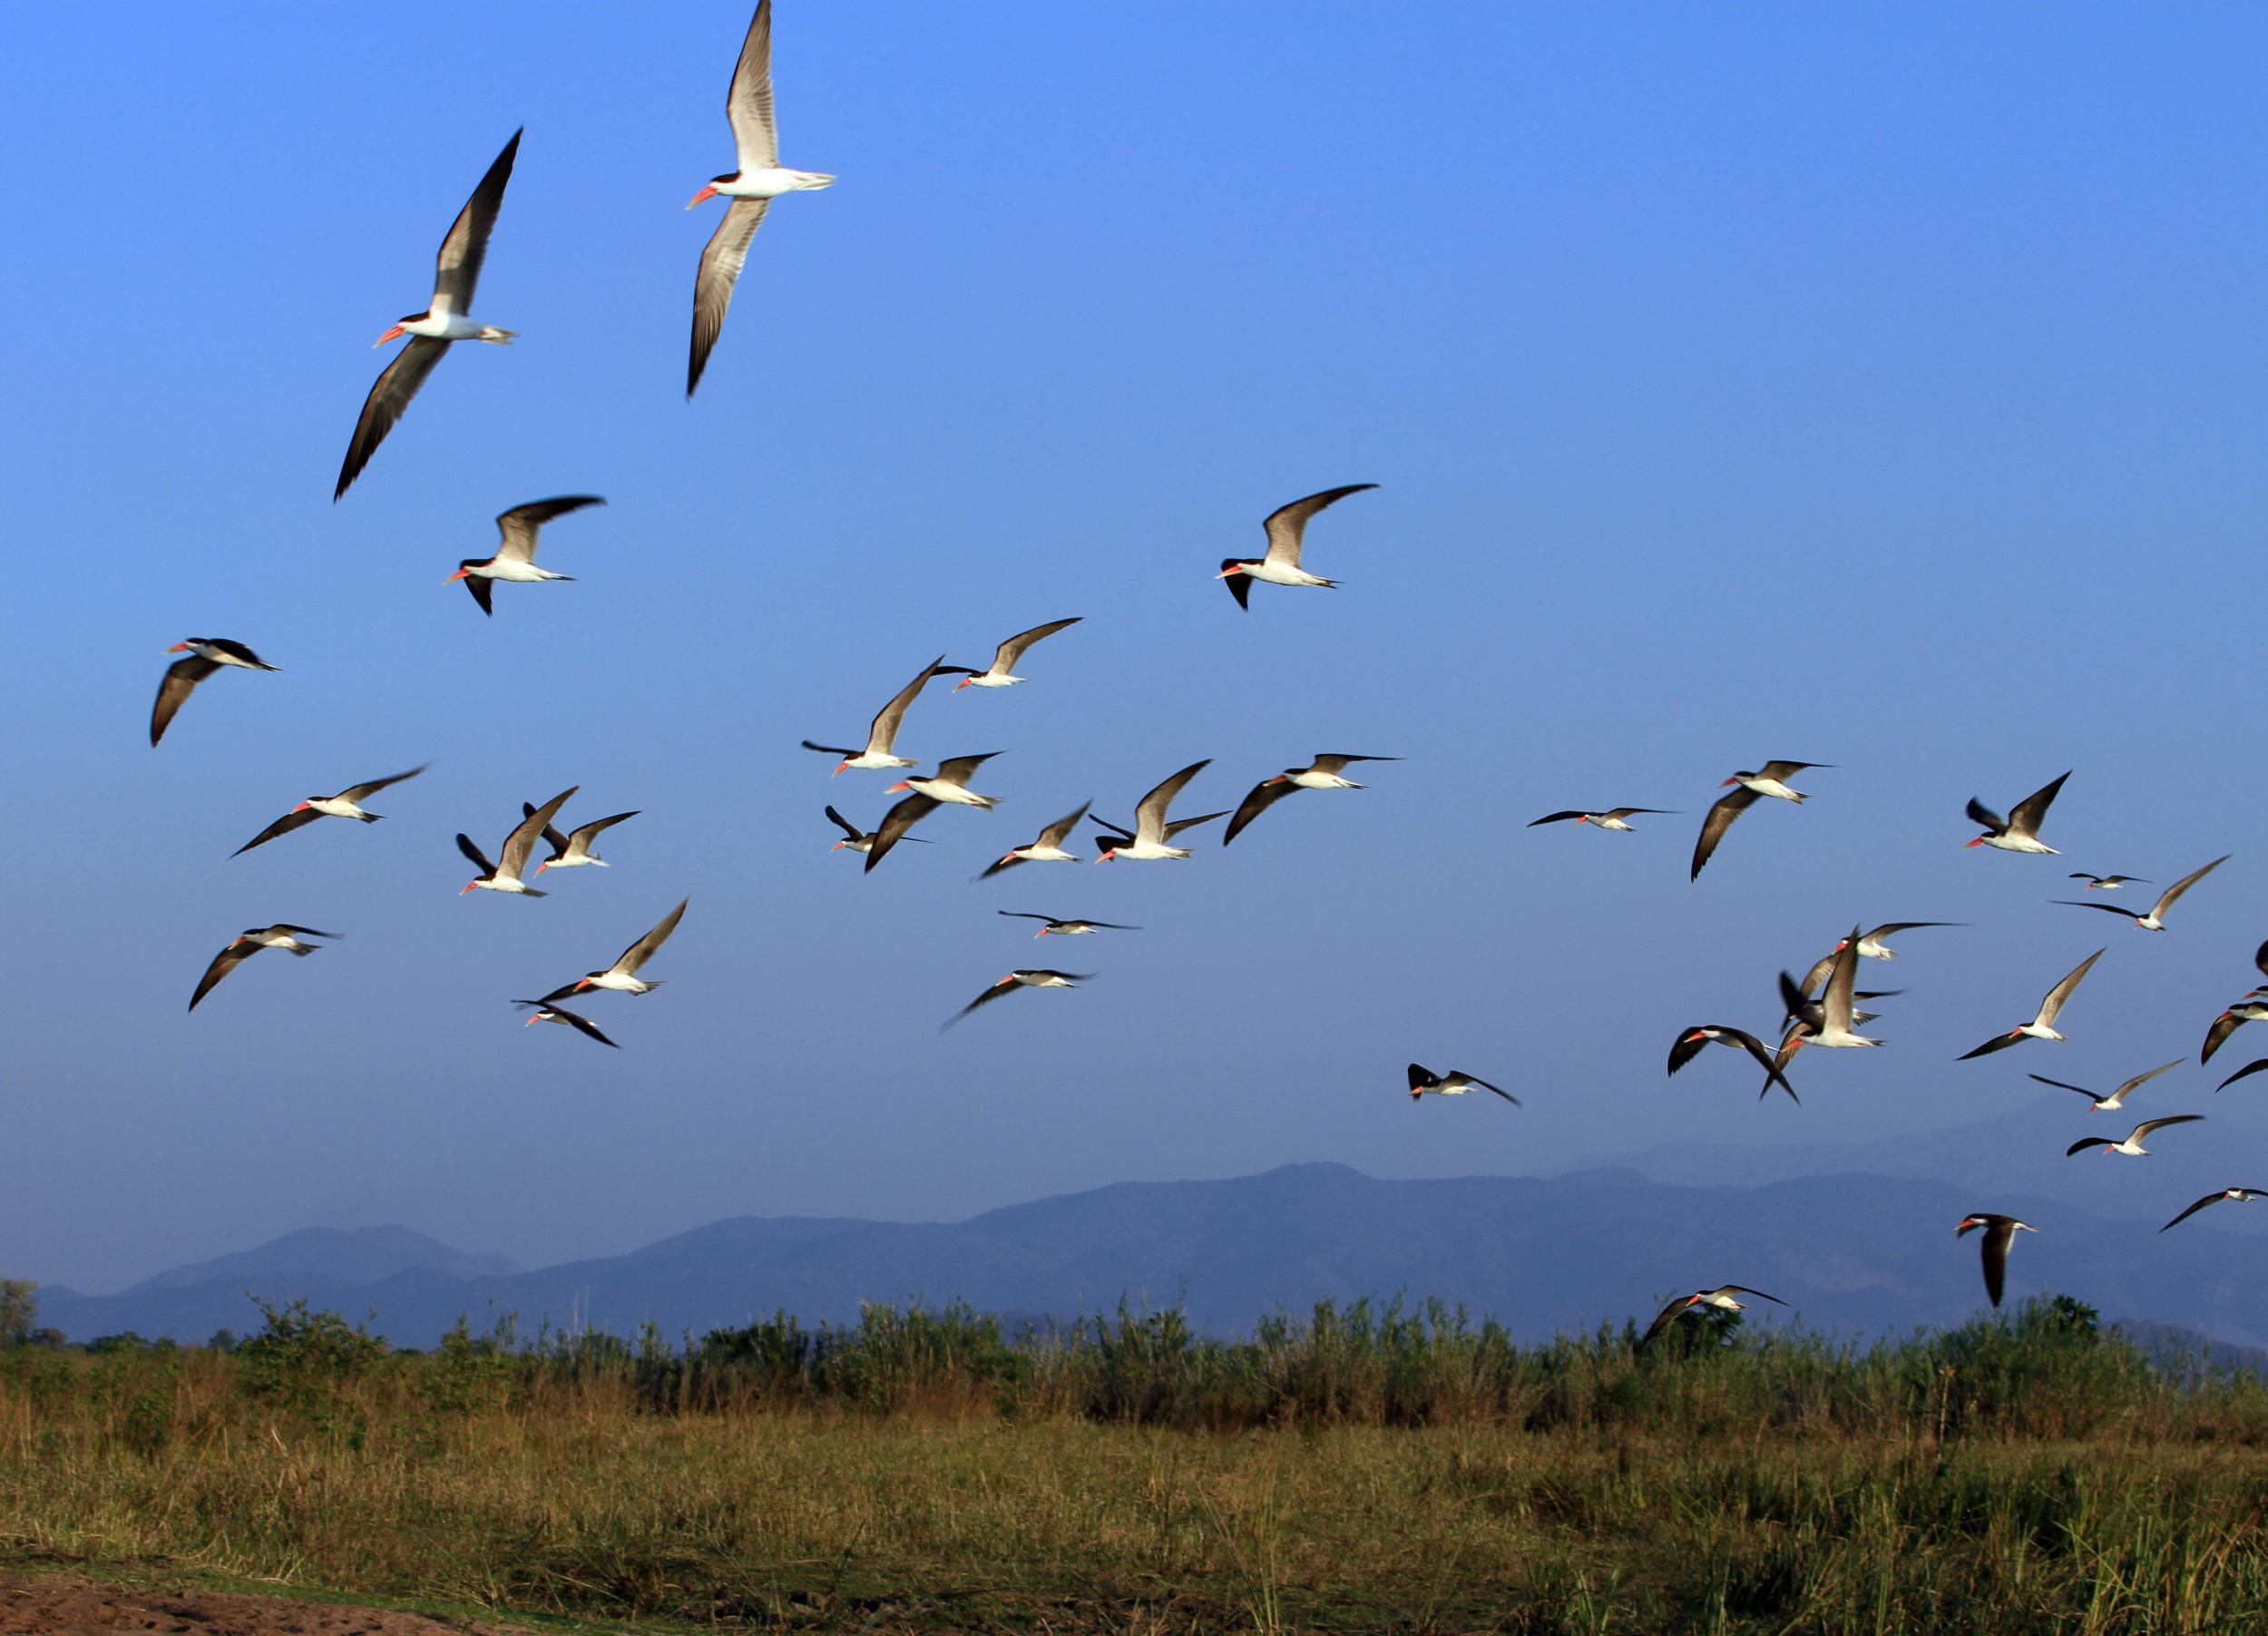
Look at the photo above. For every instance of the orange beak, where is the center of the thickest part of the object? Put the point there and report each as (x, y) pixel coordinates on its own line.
(468, 888)
(303, 805)
(1978, 842)
(581, 984)
(894, 789)
(179, 647)
(395, 333)
(703, 197)
(459, 575)
(532, 1020)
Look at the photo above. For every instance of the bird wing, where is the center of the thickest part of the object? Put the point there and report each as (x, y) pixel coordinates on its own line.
(1998, 1236)
(2260, 959)
(1685, 1048)
(2166, 901)
(2193, 1209)
(1336, 763)
(2052, 1006)
(1818, 974)
(1005, 657)
(1027, 915)
(552, 836)
(1239, 586)
(2246, 1072)
(1263, 794)
(1771, 1064)
(1743, 1289)
(641, 951)
(2082, 1090)
(883, 736)
(896, 823)
(959, 769)
(1484, 1085)
(2141, 1079)
(1149, 813)
(1286, 525)
(2086, 1143)
(1178, 825)
(1836, 1001)
(2026, 816)
(522, 840)
(180, 681)
(516, 528)
(1784, 770)
(721, 260)
(302, 931)
(749, 99)
(845, 826)
(1624, 812)
(223, 963)
(580, 1024)
(1998, 1041)
(1722, 813)
(1422, 1078)
(2223, 1025)
(1979, 813)
(359, 793)
(1666, 1317)
(282, 826)
(464, 844)
(1004, 985)
(2107, 908)
(390, 393)
(458, 268)
(2148, 1126)
(1055, 833)
(483, 590)
(580, 841)
(1550, 817)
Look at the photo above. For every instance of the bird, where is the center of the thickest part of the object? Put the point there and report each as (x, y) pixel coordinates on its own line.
(2043, 1025)
(2241, 1195)
(1004, 658)
(1689, 1042)
(2117, 1099)
(545, 1013)
(2132, 1145)
(751, 188)
(1837, 1020)
(250, 942)
(1455, 1083)
(2000, 1232)
(1150, 833)
(2107, 883)
(1872, 947)
(1286, 527)
(447, 320)
(1720, 1298)
(1047, 849)
(893, 826)
(1766, 780)
(346, 804)
(1322, 773)
(1018, 979)
(2154, 921)
(1800, 1006)
(623, 975)
(1068, 928)
(2020, 831)
(2247, 1010)
(516, 551)
(853, 837)
(573, 851)
(950, 785)
(504, 876)
(883, 736)
(1612, 818)
(206, 655)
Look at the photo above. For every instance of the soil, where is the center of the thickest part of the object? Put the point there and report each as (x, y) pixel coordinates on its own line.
(62, 1605)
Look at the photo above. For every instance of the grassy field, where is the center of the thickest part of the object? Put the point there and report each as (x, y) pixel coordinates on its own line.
(1354, 1473)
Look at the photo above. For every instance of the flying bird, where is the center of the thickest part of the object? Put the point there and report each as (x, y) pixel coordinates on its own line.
(856, 839)
(1455, 1083)
(1014, 981)
(1286, 527)
(1720, 1298)
(623, 975)
(504, 876)
(2000, 1232)
(2117, 1099)
(2247, 1010)
(1612, 818)
(1068, 928)
(1689, 1042)
(1837, 1020)
(2132, 1144)
(573, 851)
(1746, 787)
(206, 655)
(1874, 945)
(1004, 658)
(1047, 849)
(2043, 1025)
(950, 786)
(2020, 831)
(2154, 921)
(545, 1013)
(1322, 773)
(516, 553)
(1150, 833)
(2107, 883)
(2240, 1195)
(883, 736)
(447, 320)
(751, 188)
(251, 943)
(346, 804)
(896, 822)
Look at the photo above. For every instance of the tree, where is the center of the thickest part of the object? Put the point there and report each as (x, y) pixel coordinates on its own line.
(19, 1312)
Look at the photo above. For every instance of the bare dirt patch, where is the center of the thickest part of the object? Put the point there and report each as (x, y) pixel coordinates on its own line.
(61, 1605)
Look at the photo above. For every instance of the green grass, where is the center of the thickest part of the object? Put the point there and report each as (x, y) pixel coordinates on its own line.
(1357, 1472)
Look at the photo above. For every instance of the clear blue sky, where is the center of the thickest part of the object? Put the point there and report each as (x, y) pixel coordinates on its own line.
(1868, 384)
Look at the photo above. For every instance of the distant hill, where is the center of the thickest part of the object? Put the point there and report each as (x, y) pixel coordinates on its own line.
(1858, 1255)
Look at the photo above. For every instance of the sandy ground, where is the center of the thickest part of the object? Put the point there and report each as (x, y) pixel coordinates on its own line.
(53, 1603)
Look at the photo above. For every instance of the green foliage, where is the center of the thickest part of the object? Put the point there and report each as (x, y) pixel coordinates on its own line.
(19, 1312)
(303, 1365)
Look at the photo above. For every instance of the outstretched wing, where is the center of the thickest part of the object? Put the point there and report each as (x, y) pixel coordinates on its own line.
(1287, 525)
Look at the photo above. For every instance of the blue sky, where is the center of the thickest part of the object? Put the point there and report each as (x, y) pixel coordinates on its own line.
(1874, 386)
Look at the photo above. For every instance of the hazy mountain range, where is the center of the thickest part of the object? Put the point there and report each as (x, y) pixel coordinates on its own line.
(1856, 1254)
